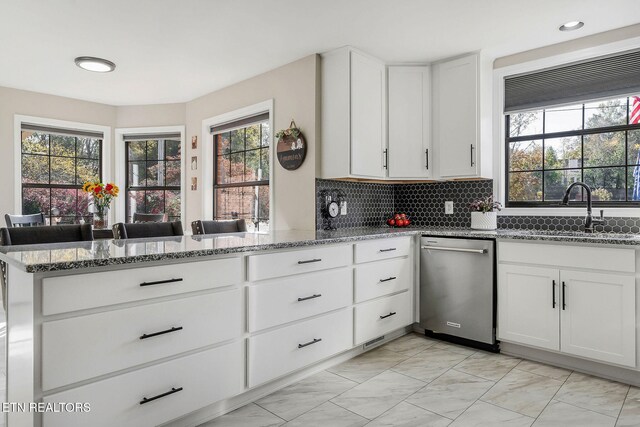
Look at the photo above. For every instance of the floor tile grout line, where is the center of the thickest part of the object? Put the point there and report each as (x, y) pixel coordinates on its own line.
(598, 378)
(554, 396)
(623, 403)
(431, 412)
(504, 409)
(257, 404)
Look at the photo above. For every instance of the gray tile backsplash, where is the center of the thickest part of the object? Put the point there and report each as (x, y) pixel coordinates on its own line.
(370, 204)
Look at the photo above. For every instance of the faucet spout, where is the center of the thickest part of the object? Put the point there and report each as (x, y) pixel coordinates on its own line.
(588, 220)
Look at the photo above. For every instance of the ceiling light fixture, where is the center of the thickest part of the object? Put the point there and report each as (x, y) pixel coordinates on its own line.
(97, 65)
(571, 25)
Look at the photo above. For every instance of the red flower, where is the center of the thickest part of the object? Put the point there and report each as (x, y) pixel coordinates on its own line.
(108, 188)
(97, 189)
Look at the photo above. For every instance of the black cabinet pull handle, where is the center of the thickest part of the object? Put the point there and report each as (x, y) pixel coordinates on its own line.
(311, 297)
(315, 340)
(386, 159)
(310, 261)
(387, 250)
(161, 282)
(473, 163)
(155, 334)
(386, 280)
(388, 315)
(553, 294)
(426, 154)
(151, 399)
(564, 298)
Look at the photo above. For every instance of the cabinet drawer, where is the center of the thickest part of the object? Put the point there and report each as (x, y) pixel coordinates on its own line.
(567, 256)
(378, 317)
(204, 378)
(382, 249)
(284, 350)
(83, 291)
(84, 347)
(382, 278)
(283, 300)
(298, 261)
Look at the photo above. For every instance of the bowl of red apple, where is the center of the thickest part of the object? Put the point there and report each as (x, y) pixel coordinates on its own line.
(399, 220)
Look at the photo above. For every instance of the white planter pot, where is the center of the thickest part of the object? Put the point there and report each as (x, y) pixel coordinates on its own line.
(484, 220)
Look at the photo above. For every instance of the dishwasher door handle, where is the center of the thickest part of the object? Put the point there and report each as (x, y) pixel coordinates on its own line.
(444, 248)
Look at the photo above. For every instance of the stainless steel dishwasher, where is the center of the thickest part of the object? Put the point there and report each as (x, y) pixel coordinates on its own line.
(458, 290)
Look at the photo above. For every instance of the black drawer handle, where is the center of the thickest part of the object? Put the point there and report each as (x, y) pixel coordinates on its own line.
(310, 261)
(386, 280)
(553, 294)
(161, 282)
(311, 297)
(387, 250)
(564, 298)
(388, 315)
(315, 340)
(155, 334)
(151, 399)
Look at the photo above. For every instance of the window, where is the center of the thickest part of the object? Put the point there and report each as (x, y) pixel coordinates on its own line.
(153, 177)
(241, 176)
(597, 143)
(55, 164)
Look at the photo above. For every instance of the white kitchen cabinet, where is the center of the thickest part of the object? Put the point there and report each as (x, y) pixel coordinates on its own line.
(409, 116)
(566, 307)
(353, 114)
(456, 117)
(598, 316)
(528, 306)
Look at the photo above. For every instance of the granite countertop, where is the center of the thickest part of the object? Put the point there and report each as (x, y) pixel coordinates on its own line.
(71, 256)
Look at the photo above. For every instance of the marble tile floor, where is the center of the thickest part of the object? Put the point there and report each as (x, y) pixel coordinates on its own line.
(419, 382)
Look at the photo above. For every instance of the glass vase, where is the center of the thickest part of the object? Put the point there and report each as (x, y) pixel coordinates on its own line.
(101, 219)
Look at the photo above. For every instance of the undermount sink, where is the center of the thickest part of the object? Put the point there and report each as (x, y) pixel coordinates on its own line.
(577, 234)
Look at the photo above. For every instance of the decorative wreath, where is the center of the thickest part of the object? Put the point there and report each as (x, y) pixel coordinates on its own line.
(291, 131)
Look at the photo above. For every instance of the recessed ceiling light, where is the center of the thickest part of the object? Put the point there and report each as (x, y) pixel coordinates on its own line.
(98, 65)
(571, 25)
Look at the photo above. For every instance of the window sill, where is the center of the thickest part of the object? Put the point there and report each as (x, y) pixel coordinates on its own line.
(579, 211)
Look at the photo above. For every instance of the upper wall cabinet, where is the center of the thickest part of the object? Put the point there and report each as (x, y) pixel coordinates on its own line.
(409, 101)
(457, 118)
(353, 115)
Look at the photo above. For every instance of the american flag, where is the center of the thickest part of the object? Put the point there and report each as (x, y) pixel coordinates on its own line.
(634, 119)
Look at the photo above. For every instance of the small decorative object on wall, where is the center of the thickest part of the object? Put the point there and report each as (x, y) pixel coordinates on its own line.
(332, 203)
(101, 196)
(194, 163)
(194, 183)
(484, 214)
(399, 220)
(194, 142)
(291, 148)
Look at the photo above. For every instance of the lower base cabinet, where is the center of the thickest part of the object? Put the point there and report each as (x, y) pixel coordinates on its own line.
(378, 317)
(284, 350)
(154, 395)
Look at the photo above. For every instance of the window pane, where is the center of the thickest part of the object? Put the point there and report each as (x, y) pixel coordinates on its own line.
(83, 206)
(237, 140)
(154, 176)
(252, 172)
(172, 172)
(228, 201)
(562, 119)
(35, 142)
(248, 203)
(633, 141)
(35, 200)
(253, 137)
(35, 169)
(527, 123)
(155, 201)
(556, 183)
(173, 205)
(263, 202)
(63, 170)
(562, 153)
(604, 149)
(135, 201)
(63, 202)
(88, 170)
(155, 151)
(525, 155)
(223, 169)
(264, 164)
(136, 150)
(172, 149)
(237, 167)
(137, 174)
(525, 186)
(607, 184)
(265, 134)
(62, 145)
(222, 143)
(605, 113)
(88, 148)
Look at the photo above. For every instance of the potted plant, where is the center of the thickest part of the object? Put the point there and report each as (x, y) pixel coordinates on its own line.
(484, 214)
(101, 196)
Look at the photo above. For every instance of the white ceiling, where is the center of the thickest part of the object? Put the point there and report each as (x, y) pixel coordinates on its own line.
(174, 51)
